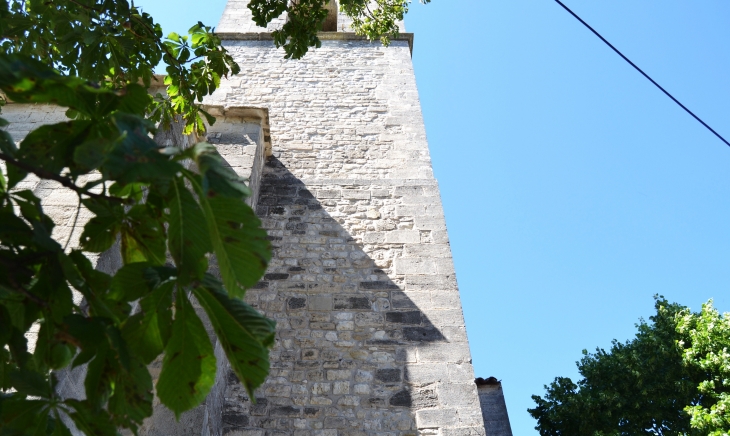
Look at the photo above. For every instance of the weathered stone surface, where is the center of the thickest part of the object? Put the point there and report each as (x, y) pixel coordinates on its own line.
(353, 217)
(493, 407)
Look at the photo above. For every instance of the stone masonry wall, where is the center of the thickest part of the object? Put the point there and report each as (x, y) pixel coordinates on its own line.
(371, 337)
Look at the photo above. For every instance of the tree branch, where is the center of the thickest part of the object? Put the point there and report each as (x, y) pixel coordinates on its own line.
(87, 7)
(18, 288)
(66, 337)
(73, 227)
(65, 181)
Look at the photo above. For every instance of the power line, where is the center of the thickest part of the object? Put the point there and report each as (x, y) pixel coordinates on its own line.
(642, 72)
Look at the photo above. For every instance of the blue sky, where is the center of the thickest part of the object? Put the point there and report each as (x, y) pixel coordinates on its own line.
(574, 190)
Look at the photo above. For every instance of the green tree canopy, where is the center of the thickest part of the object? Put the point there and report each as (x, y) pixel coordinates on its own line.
(376, 20)
(705, 345)
(671, 379)
(96, 58)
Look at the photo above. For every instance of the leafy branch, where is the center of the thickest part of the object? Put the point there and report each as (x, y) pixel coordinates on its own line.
(167, 222)
(305, 19)
(65, 181)
(87, 56)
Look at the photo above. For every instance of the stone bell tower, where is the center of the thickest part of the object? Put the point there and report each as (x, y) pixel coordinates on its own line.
(371, 337)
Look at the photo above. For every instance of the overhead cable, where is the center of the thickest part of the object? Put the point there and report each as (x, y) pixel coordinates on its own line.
(643, 73)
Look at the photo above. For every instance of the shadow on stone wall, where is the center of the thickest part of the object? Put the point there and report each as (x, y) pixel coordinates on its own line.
(346, 332)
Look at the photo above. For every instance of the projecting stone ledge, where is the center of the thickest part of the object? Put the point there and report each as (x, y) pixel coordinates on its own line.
(494, 409)
(324, 36)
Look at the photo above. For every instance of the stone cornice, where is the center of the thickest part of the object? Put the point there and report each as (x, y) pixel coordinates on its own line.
(324, 36)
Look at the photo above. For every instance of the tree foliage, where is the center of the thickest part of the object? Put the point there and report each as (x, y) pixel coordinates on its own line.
(673, 370)
(705, 346)
(96, 58)
(375, 20)
(166, 234)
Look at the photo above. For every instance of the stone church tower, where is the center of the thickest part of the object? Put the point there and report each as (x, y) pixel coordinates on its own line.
(370, 330)
(371, 337)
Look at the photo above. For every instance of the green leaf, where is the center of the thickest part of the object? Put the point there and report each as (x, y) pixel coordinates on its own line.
(245, 334)
(59, 428)
(3, 182)
(61, 356)
(143, 237)
(15, 175)
(89, 333)
(135, 99)
(52, 147)
(241, 245)
(188, 232)
(196, 37)
(18, 347)
(91, 420)
(130, 282)
(91, 154)
(23, 311)
(136, 158)
(31, 209)
(30, 81)
(21, 414)
(100, 233)
(188, 369)
(40, 426)
(6, 326)
(210, 119)
(5, 368)
(131, 401)
(133, 190)
(97, 377)
(97, 281)
(14, 230)
(31, 383)
(134, 281)
(7, 145)
(148, 331)
(218, 177)
(93, 284)
(104, 207)
(56, 294)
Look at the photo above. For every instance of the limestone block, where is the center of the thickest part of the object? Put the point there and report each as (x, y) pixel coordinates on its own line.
(419, 266)
(449, 353)
(437, 418)
(423, 373)
(427, 250)
(403, 237)
(460, 373)
(464, 431)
